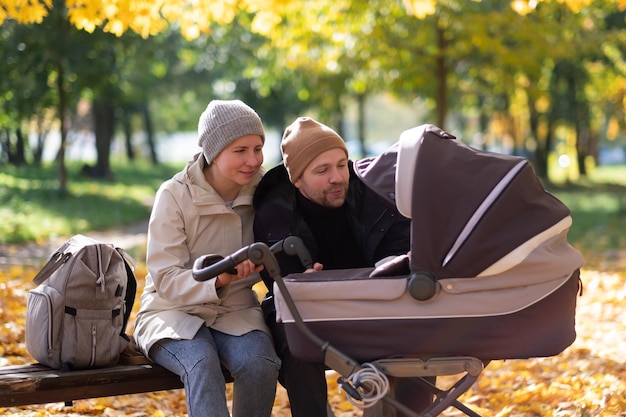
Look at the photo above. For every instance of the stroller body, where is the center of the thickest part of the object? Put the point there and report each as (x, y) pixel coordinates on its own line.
(490, 274)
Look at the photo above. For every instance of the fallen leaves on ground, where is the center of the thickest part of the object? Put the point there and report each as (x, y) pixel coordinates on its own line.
(587, 379)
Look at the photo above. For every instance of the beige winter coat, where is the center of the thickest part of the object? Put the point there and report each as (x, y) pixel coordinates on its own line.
(189, 219)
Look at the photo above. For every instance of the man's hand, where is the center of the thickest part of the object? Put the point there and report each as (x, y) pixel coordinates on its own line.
(316, 268)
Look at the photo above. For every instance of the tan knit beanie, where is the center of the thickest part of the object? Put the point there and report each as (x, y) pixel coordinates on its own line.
(223, 122)
(303, 141)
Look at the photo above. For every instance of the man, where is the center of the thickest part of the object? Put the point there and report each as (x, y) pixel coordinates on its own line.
(316, 195)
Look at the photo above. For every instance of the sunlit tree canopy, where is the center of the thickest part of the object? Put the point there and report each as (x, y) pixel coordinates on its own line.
(146, 17)
(194, 17)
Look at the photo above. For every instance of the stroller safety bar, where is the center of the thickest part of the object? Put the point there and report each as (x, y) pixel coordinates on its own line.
(411, 367)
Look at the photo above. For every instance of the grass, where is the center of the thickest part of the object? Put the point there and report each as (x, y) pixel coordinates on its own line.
(31, 208)
(598, 206)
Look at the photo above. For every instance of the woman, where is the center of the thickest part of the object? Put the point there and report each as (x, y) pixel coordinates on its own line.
(196, 328)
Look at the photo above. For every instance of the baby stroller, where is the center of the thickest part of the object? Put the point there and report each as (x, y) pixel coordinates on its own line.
(490, 275)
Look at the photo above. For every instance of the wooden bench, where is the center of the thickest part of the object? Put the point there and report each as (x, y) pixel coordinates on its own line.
(38, 384)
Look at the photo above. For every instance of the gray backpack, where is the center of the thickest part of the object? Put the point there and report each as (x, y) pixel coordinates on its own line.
(76, 317)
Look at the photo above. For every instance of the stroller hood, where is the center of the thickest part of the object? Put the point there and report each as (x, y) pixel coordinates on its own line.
(472, 212)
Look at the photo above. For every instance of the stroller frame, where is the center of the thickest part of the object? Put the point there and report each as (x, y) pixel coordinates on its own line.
(468, 367)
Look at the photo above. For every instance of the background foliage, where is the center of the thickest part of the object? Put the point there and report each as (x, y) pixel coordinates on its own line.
(545, 79)
(531, 77)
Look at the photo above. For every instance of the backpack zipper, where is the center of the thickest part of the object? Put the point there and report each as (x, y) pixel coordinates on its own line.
(50, 324)
(94, 337)
(102, 282)
(101, 279)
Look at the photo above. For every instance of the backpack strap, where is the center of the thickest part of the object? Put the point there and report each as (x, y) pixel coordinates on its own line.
(131, 288)
(61, 255)
(56, 260)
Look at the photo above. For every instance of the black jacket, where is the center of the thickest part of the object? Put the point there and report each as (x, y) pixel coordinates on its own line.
(378, 227)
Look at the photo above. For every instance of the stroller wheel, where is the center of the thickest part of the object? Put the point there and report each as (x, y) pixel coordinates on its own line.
(422, 286)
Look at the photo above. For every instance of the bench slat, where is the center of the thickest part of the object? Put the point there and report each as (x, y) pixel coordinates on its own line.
(38, 384)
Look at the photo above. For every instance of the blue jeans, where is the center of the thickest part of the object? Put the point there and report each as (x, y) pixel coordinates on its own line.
(250, 359)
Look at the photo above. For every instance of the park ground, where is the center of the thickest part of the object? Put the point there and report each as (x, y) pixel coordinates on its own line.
(587, 379)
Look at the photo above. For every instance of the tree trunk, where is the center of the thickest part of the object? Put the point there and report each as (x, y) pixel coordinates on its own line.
(147, 119)
(20, 157)
(361, 98)
(540, 158)
(583, 146)
(128, 133)
(104, 123)
(543, 151)
(483, 121)
(62, 171)
(441, 76)
(5, 150)
(38, 151)
(62, 90)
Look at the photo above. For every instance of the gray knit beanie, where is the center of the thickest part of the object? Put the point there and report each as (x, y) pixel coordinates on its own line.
(223, 122)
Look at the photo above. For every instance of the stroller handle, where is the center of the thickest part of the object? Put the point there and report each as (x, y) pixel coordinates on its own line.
(293, 246)
(209, 266)
(259, 253)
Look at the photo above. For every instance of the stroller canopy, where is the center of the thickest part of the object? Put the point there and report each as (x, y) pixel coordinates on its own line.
(474, 213)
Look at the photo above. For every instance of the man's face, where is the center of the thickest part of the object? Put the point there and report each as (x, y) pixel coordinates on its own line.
(325, 180)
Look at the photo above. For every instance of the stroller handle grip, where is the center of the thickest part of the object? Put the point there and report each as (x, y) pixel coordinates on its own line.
(208, 266)
(294, 246)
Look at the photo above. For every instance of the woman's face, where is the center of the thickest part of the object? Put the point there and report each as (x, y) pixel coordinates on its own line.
(240, 160)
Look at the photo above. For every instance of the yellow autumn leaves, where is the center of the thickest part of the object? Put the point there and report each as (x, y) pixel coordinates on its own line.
(147, 17)
(587, 379)
(194, 17)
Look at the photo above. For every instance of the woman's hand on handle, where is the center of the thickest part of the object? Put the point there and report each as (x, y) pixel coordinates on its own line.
(243, 269)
